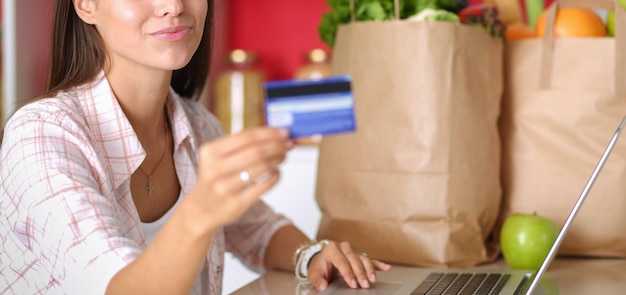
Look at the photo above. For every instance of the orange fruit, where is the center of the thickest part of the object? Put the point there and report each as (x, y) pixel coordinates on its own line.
(518, 31)
(573, 22)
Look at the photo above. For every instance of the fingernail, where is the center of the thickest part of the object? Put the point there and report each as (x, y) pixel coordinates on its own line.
(353, 284)
(321, 286)
(373, 278)
(365, 284)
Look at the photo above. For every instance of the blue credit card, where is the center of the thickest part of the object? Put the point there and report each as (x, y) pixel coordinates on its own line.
(311, 107)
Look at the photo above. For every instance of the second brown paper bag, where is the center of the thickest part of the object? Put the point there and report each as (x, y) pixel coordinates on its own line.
(564, 98)
(418, 182)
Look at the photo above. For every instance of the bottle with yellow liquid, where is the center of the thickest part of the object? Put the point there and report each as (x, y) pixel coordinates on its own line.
(317, 65)
(239, 93)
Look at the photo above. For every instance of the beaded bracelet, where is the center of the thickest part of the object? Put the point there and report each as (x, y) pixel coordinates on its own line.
(302, 257)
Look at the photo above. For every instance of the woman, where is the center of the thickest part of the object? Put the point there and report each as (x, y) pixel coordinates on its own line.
(113, 183)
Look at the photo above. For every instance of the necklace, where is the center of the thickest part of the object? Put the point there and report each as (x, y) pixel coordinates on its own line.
(149, 186)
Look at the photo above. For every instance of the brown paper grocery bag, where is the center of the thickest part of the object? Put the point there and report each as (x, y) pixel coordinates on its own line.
(563, 100)
(418, 183)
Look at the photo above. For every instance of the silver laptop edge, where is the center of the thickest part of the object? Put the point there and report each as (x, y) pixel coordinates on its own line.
(404, 279)
(583, 195)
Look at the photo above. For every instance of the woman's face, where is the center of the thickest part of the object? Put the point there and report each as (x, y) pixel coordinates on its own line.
(160, 34)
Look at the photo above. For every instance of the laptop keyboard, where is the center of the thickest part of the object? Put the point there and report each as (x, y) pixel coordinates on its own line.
(462, 284)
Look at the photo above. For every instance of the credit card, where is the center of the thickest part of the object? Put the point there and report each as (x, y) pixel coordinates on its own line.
(311, 107)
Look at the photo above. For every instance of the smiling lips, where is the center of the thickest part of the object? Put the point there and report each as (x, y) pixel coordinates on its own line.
(172, 33)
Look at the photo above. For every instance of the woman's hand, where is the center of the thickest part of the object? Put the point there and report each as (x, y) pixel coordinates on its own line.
(357, 269)
(236, 170)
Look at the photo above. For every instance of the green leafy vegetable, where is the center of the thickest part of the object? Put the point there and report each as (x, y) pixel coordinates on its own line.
(376, 10)
(415, 6)
(340, 14)
(436, 15)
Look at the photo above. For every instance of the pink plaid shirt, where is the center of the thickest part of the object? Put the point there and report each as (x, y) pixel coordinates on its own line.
(68, 223)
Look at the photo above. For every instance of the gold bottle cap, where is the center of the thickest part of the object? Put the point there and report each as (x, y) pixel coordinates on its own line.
(317, 56)
(240, 56)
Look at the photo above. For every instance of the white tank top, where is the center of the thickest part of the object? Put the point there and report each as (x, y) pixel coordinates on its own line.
(150, 230)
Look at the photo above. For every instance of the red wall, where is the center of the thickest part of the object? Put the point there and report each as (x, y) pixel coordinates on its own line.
(279, 31)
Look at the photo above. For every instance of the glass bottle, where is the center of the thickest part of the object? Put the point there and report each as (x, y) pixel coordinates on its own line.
(316, 66)
(239, 93)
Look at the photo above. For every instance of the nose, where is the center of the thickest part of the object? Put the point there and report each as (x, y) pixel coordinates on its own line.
(169, 7)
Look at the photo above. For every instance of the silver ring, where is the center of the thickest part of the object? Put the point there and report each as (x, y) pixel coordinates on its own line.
(364, 254)
(245, 177)
(263, 177)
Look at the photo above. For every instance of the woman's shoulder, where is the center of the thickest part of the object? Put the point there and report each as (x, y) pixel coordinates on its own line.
(58, 110)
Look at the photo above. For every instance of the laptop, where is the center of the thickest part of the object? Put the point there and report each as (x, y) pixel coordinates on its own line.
(401, 280)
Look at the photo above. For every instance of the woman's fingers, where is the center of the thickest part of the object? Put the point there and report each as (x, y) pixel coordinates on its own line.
(347, 263)
(320, 272)
(236, 170)
(255, 158)
(379, 265)
(370, 269)
(355, 272)
(229, 144)
(357, 269)
(252, 192)
(251, 156)
(224, 209)
(235, 183)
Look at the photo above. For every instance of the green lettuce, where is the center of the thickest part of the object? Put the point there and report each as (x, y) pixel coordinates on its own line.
(375, 10)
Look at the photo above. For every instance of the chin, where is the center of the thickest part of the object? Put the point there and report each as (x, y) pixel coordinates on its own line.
(180, 66)
(175, 64)
(178, 61)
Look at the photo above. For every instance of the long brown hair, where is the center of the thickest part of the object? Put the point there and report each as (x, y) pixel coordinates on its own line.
(78, 54)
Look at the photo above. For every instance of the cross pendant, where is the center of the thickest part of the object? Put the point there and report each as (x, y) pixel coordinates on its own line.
(149, 187)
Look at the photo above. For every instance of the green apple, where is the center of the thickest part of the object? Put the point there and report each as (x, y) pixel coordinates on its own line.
(610, 18)
(526, 239)
(610, 23)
